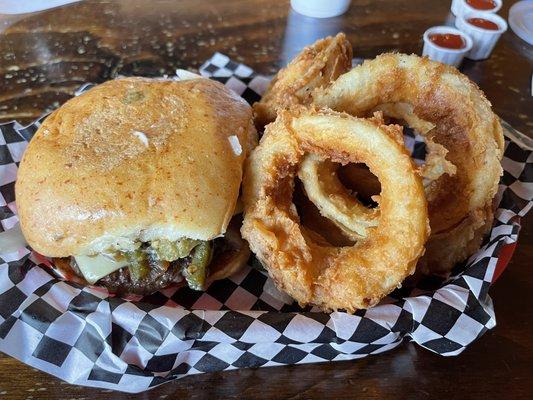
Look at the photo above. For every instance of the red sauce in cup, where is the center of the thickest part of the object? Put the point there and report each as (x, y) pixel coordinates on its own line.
(448, 40)
(481, 4)
(483, 24)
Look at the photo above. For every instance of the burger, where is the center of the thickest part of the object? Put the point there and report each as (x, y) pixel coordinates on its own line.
(134, 184)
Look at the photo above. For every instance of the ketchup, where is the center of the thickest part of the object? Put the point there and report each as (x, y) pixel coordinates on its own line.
(481, 4)
(483, 24)
(448, 40)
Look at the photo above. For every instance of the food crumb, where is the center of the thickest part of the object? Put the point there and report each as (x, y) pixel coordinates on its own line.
(235, 145)
(141, 136)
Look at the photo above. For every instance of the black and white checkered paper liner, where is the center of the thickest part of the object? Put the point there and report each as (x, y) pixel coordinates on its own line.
(83, 336)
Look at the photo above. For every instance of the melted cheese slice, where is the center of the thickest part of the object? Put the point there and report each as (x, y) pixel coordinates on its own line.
(95, 268)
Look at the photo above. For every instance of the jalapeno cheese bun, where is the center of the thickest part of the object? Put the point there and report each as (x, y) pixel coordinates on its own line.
(133, 184)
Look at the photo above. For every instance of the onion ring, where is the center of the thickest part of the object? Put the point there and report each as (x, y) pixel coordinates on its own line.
(463, 137)
(301, 264)
(311, 219)
(333, 200)
(337, 203)
(315, 66)
(436, 163)
(359, 180)
(464, 239)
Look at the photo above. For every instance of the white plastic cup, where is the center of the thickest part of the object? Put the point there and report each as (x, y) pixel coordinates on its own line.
(30, 6)
(444, 55)
(460, 7)
(484, 40)
(321, 8)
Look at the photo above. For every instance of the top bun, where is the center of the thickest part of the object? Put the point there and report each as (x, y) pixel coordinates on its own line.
(134, 159)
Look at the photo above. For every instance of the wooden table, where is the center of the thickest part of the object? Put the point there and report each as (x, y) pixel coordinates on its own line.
(44, 57)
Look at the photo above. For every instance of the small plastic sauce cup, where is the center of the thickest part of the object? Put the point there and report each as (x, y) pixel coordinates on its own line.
(460, 7)
(443, 54)
(483, 39)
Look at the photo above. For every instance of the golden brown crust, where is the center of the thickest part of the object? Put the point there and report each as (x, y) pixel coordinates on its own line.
(446, 249)
(316, 66)
(464, 137)
(300, 264)
(134, 159)
(435, 164)
(463, 119)
(324, 188)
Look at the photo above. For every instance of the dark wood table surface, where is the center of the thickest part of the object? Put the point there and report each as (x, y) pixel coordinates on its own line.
(45, 56)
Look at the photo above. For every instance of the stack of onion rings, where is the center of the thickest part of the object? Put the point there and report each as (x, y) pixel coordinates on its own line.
(317, 65)
(463, 137)
(299, 261)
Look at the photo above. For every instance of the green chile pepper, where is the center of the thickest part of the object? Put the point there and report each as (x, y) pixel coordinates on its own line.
(138, 265)
(196, 272)
(170, 251)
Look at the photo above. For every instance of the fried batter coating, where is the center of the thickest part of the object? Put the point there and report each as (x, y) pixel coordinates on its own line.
(302, 265)
(316, 66)
(463, 136)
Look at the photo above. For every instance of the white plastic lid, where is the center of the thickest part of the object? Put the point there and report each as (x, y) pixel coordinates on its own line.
(29, 6)
(320, 8)
(521, 20)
